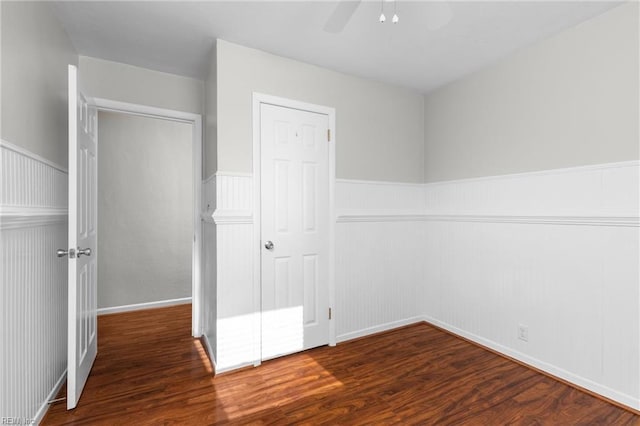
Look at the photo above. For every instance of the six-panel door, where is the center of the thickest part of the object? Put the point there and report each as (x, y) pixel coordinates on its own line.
(295, 222)
(83, 232)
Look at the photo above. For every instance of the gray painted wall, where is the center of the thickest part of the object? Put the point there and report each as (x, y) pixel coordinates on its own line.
(210, 145)
(127, 83)
(144, 209)
(570, 100)
(35, 53)
(380, 131)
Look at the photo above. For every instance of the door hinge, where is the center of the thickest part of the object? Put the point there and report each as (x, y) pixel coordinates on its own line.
(329, 313)
(328, 135)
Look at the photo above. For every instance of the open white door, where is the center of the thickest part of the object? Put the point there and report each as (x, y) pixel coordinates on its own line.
(83, 232)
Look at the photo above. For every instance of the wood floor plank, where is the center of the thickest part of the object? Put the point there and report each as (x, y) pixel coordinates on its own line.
(150, 371)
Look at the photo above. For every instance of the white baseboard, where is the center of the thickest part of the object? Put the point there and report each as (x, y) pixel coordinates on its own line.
(236, 367)
(146, 305)
(582, 382)
(378, 328)
(45, 405)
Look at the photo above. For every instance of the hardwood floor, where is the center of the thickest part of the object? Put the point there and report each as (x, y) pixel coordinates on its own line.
(150, 371)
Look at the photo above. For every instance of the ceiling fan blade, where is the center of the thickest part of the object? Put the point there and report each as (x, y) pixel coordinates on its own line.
(438, 15)
(341, 15)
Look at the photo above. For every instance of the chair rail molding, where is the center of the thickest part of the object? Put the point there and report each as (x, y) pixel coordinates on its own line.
(400, 216)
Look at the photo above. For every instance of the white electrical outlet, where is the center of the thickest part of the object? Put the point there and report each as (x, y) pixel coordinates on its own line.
(523, 332)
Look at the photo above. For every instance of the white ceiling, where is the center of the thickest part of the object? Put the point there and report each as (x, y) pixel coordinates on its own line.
(176, 37)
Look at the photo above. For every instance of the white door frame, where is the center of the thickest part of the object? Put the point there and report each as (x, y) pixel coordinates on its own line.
(258, 99)
(196, 252)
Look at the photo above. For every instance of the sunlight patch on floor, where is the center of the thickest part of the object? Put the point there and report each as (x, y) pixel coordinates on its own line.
(267, 394)
(238, 395)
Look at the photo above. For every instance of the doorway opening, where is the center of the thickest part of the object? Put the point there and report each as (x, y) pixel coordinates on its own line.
(149, 183)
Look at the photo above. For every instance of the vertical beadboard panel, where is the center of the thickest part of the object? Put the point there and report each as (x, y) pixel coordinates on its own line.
(236, 322)
(34, 284)
(376, 264)
(233, 192)
(236, 312)
(377, 272)
(29, 181)
(574, 287)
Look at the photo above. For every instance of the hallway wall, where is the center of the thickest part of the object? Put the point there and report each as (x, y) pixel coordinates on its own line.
(145, 207)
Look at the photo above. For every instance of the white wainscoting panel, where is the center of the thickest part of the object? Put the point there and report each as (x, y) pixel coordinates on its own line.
(236, 315)
(574, 285)
(235, 310)
(377, 276)
(555, 251)
(378, 236)
(33, 293)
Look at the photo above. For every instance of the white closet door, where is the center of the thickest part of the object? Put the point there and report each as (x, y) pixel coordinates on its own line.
(294, 230)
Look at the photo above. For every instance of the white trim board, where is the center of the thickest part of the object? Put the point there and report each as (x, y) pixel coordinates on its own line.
(232, 174)
(145, 111)
(379, 329)
(144, 305)
(232, 217)
(196, 121)
(368, 216)
(379, 182)
(24, 217)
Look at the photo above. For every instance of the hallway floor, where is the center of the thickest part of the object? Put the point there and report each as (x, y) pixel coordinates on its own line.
(150, 371)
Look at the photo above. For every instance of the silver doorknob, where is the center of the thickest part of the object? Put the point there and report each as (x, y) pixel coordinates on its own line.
(86, 252)
(268, 245)
(63, 253)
